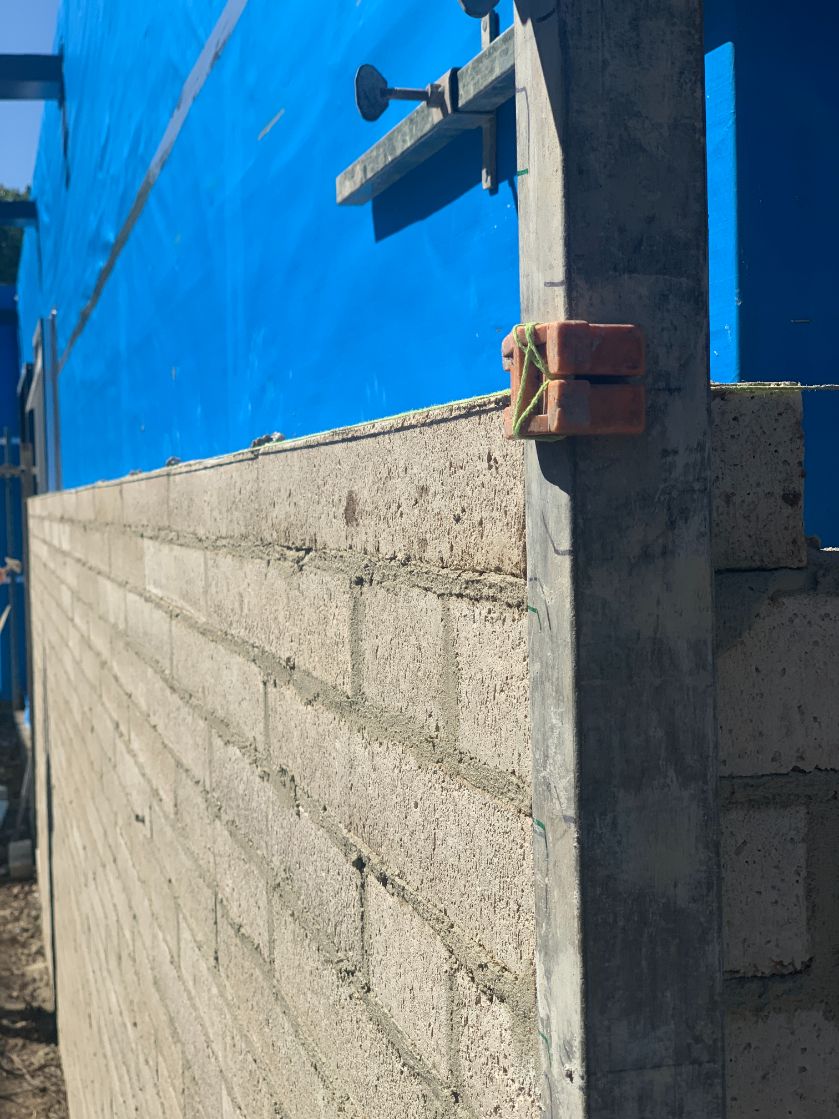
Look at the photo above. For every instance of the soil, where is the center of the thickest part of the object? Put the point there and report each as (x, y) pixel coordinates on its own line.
(31, 1079)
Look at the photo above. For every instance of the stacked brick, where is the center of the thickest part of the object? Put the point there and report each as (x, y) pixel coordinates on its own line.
(281, 703)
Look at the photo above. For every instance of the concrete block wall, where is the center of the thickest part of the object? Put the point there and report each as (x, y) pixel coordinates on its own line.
(284, 697)
(282, 700)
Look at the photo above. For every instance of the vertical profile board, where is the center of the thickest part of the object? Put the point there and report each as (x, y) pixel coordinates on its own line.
(612, 218)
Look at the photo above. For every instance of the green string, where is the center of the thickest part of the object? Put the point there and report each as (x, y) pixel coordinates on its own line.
(531, 354)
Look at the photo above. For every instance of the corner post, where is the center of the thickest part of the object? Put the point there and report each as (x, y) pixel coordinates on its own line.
(613, 228)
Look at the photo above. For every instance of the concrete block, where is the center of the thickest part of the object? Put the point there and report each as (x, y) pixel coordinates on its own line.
(316, 878)
(356, 1052)
(107, 503)
(777, 666)
(764, 854)
(497, 1056)
(145, 501)
(783, 1064)
(195, 821)
(154, 759)
(81, 504)
(242, 888)
(757, 448)
(133, 675)
(114, 700)
(227, 685)
(248, 987)
(299, 615)
(90, 543)
(148, 628)
(109, 601)
(402, 488)
(194, 897)
(128, 558)
(468, 854)
(320, 882)
(216, 500)
(410, 974)
(404, 658)
(180, 726)
(244, 798)
(493, 696)
(176, 574)
(171, 1094)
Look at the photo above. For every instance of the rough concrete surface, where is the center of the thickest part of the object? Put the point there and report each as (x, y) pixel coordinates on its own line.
(289, 759)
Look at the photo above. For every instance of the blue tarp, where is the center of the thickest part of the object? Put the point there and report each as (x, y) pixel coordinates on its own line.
(244, 300)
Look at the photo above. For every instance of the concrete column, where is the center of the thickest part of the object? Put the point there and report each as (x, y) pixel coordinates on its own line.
(612, 213)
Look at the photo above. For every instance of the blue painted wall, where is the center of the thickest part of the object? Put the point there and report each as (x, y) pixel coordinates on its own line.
(773, 90)
(244, 300)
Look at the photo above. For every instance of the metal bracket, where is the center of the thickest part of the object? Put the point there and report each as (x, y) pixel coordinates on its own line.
(490, 28)
(480, 88)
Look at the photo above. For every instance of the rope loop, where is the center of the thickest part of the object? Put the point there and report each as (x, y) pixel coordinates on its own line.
(531, 354)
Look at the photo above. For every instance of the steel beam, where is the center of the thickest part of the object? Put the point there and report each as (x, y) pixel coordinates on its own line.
(31, 77)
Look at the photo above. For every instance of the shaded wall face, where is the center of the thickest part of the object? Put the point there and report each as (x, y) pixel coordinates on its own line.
(240, 299)
(12, 655)
(773, 101)
(287, 728)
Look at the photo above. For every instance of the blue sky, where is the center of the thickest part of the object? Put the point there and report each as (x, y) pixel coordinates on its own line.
(26, 27)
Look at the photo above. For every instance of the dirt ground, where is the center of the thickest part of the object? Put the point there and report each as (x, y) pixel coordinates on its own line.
(31, 1080)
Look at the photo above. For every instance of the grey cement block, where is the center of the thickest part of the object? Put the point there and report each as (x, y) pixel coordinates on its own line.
(300, 615)
(764, 854)
(149, 628)
(242, 888)
(249, 990)
(466, 852)
(154, 760)
(497, 1055)
(180, 726)
(224, 682)
(107, 504)
(777, 666)
(403, 661)
(410, 974)
(145, 501)
(757, 447)
(440, 487)
(783, 1065)
(357, 1053)
(127, 558)
(176, 574)
(493, 696)
(311, 872)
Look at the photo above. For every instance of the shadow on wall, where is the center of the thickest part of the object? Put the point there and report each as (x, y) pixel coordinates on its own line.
(447, 176)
